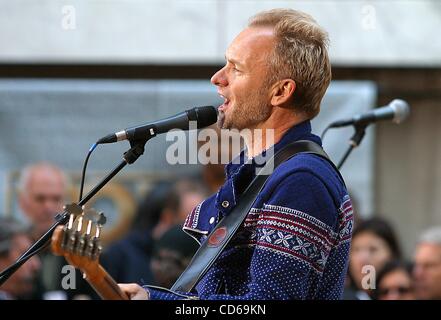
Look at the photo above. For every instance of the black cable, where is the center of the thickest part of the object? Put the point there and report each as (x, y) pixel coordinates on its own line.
(324, 132)
(83, 175)
(345, 156)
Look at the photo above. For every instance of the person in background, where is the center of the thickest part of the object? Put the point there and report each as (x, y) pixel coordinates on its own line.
(213, 176)
(394, 282)
(171, 255)
(191, 193)
(42, 193)
(374, 243)
(14, 240)
(427, 265)
(129, 259)
(213, 172)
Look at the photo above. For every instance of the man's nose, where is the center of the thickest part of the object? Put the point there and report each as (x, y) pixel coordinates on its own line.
(219, 78)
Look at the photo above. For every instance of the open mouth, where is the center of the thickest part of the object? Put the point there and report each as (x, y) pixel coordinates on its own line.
(226, 103)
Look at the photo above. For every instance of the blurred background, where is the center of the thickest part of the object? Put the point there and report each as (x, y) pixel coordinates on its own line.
(74, 71)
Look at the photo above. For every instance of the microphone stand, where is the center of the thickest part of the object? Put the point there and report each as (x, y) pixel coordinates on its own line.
(360, 130)
(129, 157)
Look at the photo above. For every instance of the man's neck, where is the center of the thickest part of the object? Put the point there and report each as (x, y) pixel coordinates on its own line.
(268, 133)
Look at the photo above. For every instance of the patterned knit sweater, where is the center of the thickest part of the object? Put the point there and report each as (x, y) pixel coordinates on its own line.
(295, 241)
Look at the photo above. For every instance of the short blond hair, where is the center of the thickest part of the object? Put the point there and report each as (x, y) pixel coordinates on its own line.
(301, 54)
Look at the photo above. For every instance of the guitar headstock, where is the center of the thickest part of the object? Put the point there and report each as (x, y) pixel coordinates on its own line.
(79, 240)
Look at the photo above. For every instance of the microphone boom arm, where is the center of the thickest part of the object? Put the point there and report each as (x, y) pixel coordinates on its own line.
(360, 131)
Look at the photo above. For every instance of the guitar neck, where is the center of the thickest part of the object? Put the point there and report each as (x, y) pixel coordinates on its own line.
(105, 286)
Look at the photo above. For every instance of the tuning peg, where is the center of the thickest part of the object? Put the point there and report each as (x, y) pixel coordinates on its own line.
(73, 209)
(96, 217)
(101, 219)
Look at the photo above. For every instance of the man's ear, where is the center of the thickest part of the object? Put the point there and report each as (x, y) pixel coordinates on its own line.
(282, 92)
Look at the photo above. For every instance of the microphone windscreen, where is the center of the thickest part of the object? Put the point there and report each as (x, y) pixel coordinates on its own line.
(401, 108)
(204, 116)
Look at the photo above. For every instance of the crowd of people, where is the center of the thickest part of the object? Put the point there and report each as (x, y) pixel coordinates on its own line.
(156, 250)
(378, 270)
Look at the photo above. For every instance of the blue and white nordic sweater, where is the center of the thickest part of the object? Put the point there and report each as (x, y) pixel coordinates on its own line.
(295, 241)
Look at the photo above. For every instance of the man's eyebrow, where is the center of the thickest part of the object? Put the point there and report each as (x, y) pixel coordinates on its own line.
(233, 61)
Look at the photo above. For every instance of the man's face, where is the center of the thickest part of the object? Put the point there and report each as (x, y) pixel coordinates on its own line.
(427, 271)
(43, 198)
(243, 81)
(20, 284)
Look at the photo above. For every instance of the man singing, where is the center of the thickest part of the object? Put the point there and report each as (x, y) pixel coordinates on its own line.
(294, 243)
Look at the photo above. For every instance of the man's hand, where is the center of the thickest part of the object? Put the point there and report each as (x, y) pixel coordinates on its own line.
(134, 291)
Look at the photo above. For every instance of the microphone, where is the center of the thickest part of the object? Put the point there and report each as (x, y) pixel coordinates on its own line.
(397, 111)
(204, 116)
